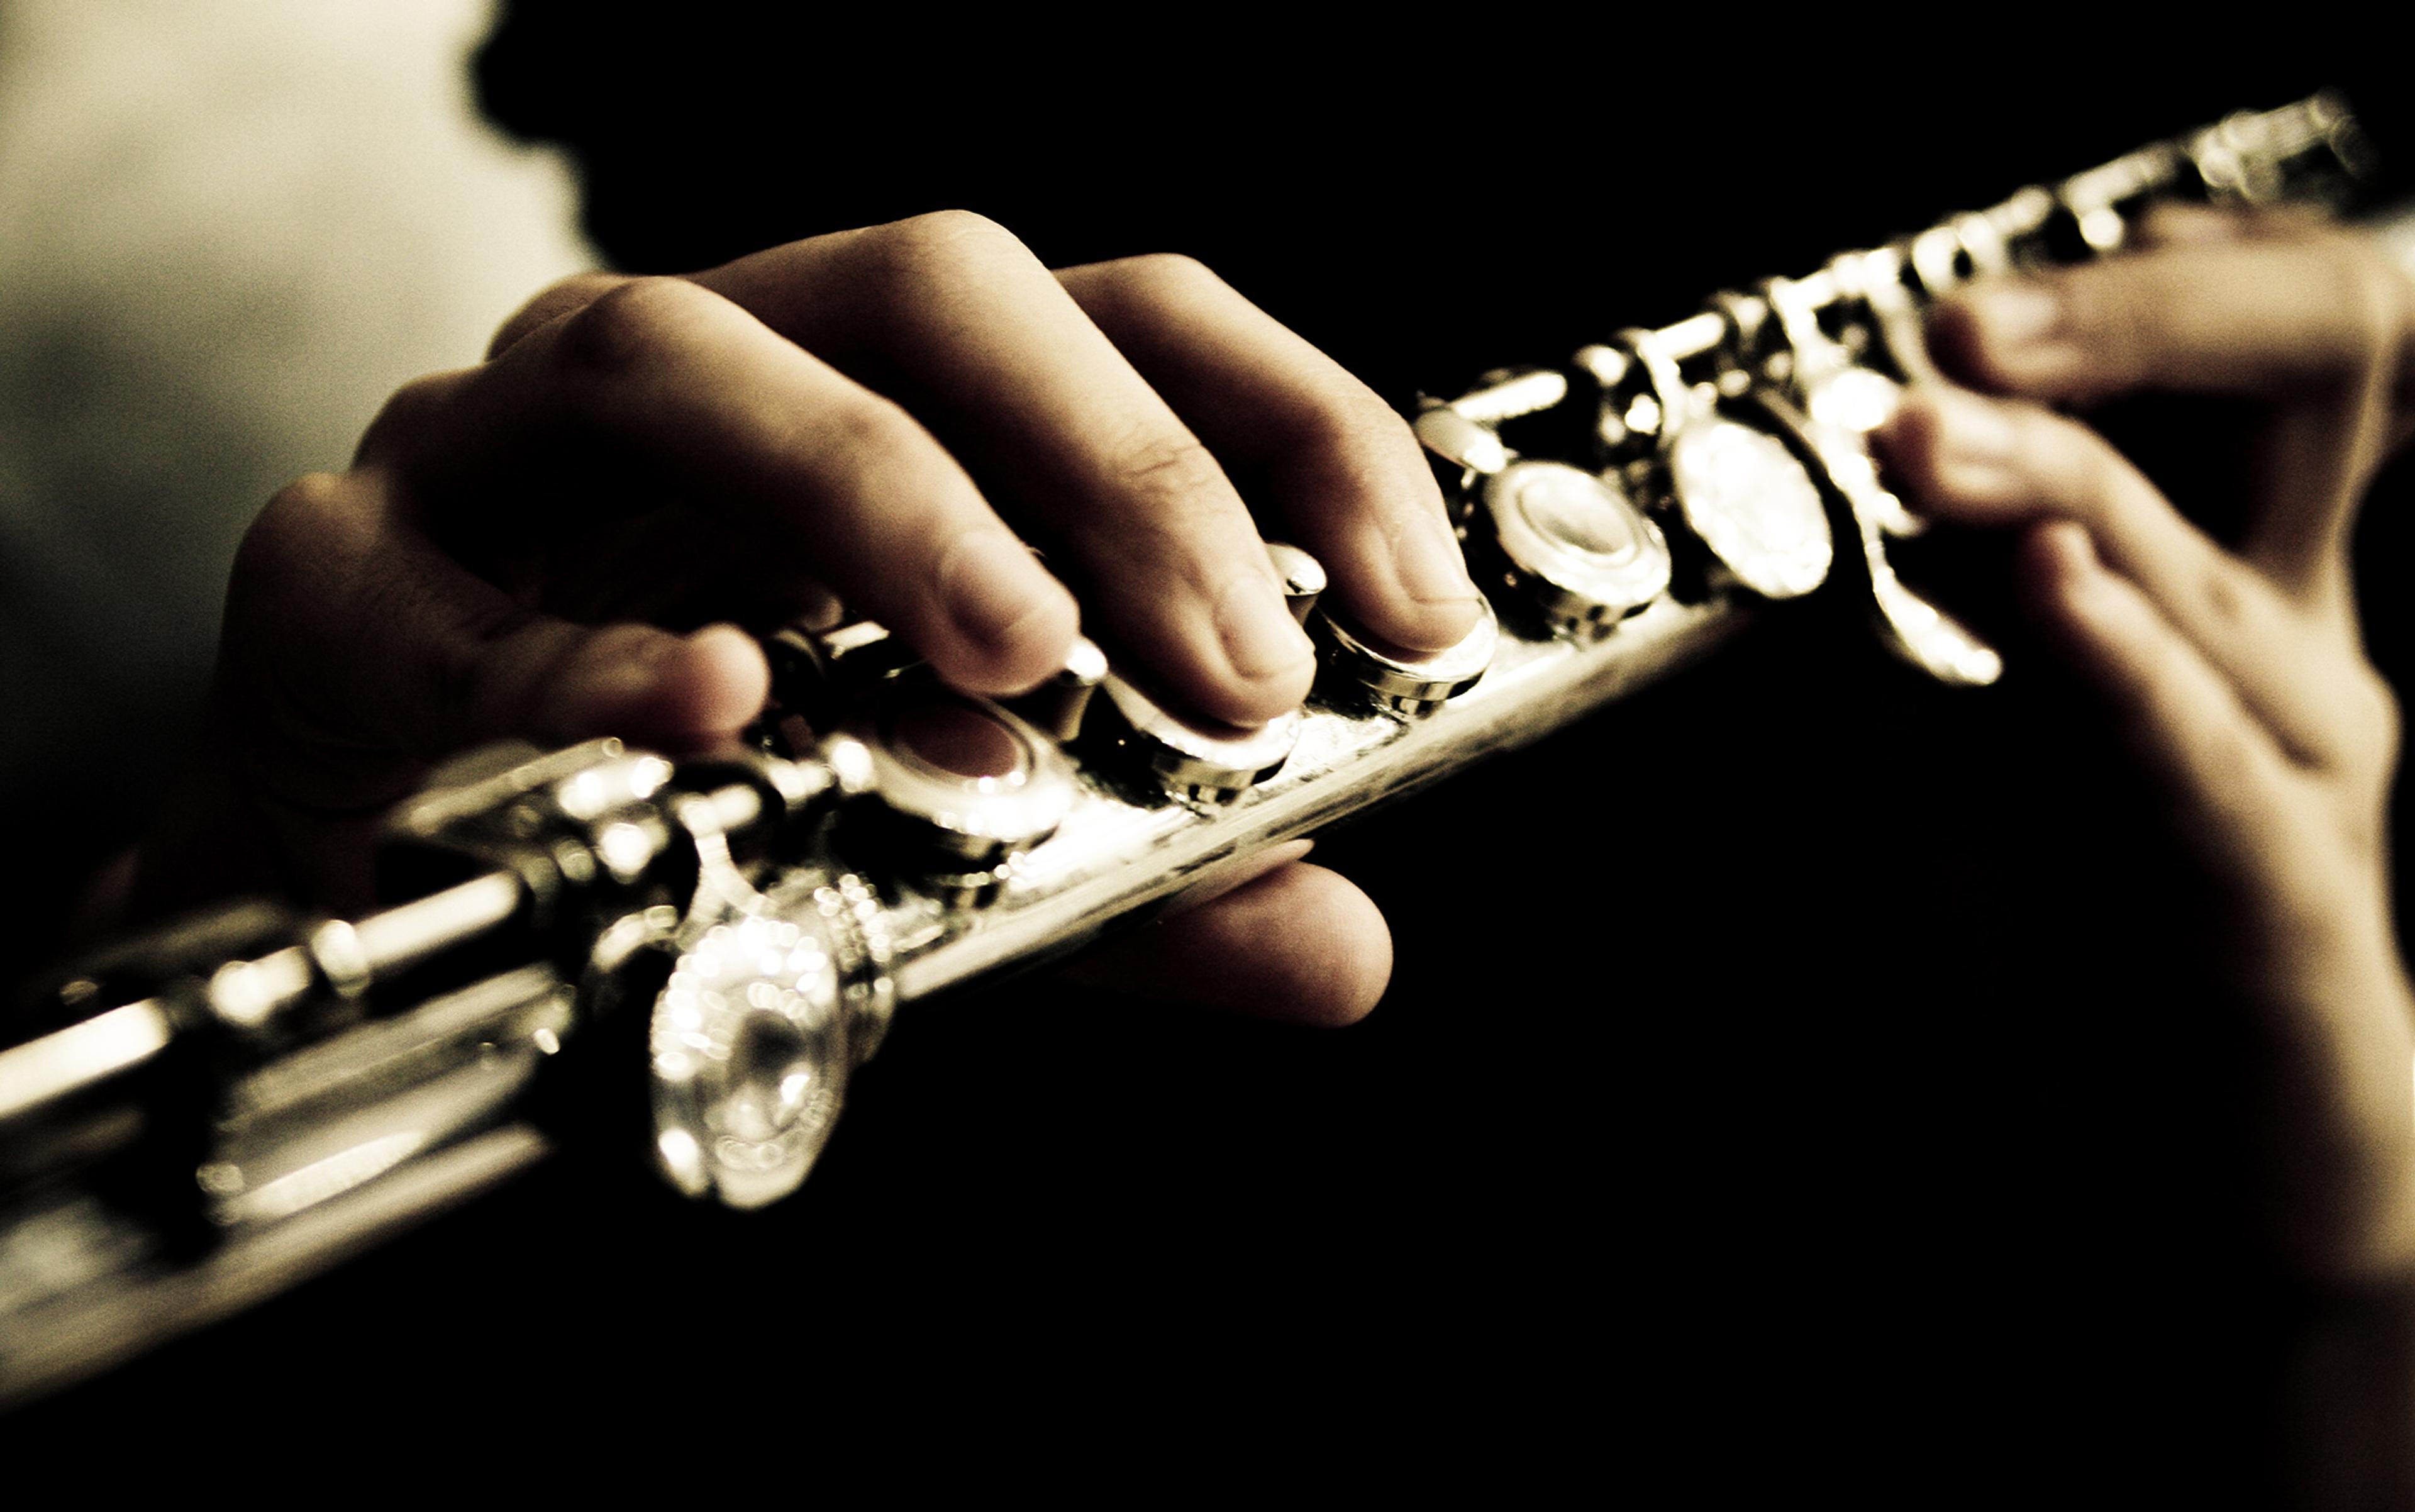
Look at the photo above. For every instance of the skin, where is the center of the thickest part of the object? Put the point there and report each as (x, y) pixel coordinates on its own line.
(2234, 672)
(551, 545)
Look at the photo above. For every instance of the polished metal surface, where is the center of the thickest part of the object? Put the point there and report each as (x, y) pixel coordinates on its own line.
(1753, 505)
(1193, 758)
(749, 1042)
(1414, 684)
(288, 1090)
(1303, 578)
(1575, 547)
(968, 783)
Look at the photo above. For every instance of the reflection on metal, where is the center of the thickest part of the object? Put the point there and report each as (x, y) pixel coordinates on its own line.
(1195, 758)
(1302, 576)
(1908, 624)
(1751, 503)
(1059, 704)
(236, 1104)
(749, 1043)
(1415, 684)
(57, 1066)
(965, 785)
(1449, 433)
(1574, 546)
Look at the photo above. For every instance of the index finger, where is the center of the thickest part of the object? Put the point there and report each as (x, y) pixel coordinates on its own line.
(2261, 316)
(2320, 325)
(953, 316)
(666, 378)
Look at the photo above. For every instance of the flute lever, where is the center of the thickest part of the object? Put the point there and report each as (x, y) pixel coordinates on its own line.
(1862, 510)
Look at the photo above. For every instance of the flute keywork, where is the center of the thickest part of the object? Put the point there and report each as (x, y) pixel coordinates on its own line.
(893, 838)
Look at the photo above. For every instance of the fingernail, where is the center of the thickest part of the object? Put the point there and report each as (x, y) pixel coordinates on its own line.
(615, 672)
(1974, 429)
(633, 672)
(2016, 314)
(1260, 636)
(1431, 570)
(991, 585)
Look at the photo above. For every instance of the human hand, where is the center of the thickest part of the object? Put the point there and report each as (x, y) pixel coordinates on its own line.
(550, 545)
(2235, 671)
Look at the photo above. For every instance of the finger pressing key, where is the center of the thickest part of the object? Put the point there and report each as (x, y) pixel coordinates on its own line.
(1991, 463)
(2315, 321)
(955, 318)
(677, 383)
(1350, 481)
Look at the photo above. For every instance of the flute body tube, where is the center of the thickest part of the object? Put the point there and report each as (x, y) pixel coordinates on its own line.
(221, 1109)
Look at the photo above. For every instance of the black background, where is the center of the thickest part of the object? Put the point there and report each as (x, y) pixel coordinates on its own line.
(1793, 1076)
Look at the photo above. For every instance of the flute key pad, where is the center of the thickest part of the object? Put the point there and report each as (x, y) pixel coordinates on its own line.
(959, 787)
(1574, 545)
(1751, 503)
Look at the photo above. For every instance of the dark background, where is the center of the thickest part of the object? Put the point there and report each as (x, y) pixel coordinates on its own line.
(1794, 1076)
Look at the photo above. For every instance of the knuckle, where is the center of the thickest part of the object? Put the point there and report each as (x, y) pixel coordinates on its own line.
(943, 242)
(1348, 417)
(2380, 719)
(1177, 274)
(632, 323)
(408, 413)
(1168, 470)
(2226, 599)
(280, 535)
(551, 304)
(2230, 764)
(874, 433)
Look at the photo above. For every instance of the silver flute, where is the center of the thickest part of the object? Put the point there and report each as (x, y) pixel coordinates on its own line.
(222, 1107)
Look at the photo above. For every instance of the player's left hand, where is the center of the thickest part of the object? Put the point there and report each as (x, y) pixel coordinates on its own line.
(2235, 671)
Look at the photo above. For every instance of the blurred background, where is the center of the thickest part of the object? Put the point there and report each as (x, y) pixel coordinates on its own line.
(226, 234)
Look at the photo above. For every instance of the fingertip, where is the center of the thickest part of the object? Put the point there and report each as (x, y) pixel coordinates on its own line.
(716, 683)
(1436, 605)
(1251, 702)
(1910, 445)
(1297, 945)
(1953, 342)
(1006, 623)
(1428, 624)
(1017, 657)
(1907, 439)
(1267, 663)
(2061, 550)
(1955, 453)
(1426, 601)
(1359, 969)
(2008, 336)
(679, 693)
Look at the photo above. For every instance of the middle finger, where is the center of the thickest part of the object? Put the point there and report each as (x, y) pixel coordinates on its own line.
(953, 317)
(1993, 462)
